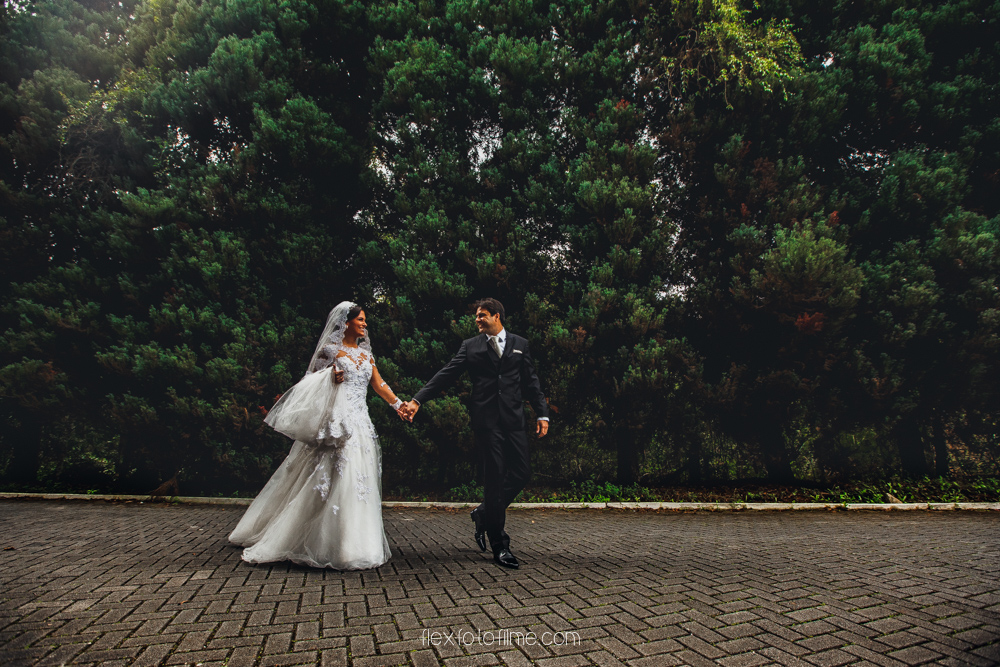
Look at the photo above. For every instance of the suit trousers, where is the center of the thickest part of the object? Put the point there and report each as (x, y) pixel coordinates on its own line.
(506, 469)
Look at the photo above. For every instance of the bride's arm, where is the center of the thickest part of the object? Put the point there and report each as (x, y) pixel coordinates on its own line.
(382, 389)
(326, 358)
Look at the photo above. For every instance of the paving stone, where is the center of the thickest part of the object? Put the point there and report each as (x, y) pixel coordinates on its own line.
(334, 658)
(744, 660)
(900, 640)
(877, 657)
(978, 636)
(617, 648)
(915, 655)
(243, 656)
(808, 614)
(604, 659)
(689, 658)
(287, 659)
(831, 658)
(991, 652)
(780, 657)
(656, 661)
(648, 588)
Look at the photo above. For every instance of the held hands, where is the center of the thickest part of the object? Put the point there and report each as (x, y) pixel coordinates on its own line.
(407, 410)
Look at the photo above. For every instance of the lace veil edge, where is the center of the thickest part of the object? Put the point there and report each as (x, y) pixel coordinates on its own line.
(333, 333)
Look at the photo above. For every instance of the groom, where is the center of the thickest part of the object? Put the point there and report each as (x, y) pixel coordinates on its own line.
(503, 375)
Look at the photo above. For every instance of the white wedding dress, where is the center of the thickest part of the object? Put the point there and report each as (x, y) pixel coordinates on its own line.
(323, 506)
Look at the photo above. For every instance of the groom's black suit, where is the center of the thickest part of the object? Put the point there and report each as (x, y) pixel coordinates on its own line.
(500, 386)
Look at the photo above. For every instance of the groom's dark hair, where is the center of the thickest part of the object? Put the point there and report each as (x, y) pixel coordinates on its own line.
(493, 307)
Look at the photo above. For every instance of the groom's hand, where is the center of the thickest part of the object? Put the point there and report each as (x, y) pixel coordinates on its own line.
(410, 408)
(543, 428)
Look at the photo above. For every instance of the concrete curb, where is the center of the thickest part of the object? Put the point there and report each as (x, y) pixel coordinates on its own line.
(706, 507)
(188, 500)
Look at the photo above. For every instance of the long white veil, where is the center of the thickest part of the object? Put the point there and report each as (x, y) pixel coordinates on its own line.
(333, 333)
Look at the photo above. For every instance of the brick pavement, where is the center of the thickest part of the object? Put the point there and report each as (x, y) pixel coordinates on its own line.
(117, 584)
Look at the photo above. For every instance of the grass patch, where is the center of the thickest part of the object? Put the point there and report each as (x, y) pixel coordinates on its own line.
(928, 489)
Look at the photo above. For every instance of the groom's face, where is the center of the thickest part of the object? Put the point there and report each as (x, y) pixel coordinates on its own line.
(488, 324)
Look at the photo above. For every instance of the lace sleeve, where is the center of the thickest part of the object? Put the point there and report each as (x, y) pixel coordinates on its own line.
(325, 358)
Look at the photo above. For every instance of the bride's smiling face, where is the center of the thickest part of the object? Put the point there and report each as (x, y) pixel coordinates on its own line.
(358, 327)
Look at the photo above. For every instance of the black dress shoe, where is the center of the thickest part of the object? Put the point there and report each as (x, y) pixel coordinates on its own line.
(506, 559)
(480, 530)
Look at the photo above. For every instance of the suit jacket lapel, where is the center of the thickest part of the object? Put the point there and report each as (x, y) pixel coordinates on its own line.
(508, 346)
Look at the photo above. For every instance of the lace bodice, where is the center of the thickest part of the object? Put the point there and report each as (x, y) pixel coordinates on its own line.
(357, 365)
(351, 418)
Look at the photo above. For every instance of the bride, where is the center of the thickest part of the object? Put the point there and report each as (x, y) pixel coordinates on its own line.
(323, 506)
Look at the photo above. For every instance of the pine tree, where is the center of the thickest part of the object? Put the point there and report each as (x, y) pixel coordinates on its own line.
(199, 273)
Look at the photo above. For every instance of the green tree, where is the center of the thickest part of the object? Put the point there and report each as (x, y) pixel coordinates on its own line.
(52, 58)
(876, 171)
(189, 297)
(921, 133)
(468, 169)
(771, 225)
(756, 261)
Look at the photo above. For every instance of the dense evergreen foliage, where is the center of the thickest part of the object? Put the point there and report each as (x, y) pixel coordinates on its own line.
(744, 240)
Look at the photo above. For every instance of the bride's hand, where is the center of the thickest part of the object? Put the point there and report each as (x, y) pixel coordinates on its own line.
(408, 410)
(337, 376)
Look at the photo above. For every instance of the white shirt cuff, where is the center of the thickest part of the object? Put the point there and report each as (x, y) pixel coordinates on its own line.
(543, 419)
